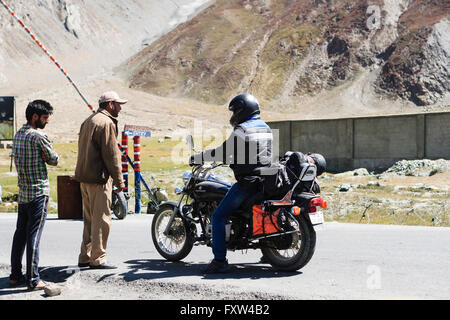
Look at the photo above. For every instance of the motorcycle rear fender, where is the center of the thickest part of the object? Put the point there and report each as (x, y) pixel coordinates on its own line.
(303, 201)
(308, 220)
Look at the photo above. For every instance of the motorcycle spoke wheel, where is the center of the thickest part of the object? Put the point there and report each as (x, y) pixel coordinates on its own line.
(293, 250)
(174, 242)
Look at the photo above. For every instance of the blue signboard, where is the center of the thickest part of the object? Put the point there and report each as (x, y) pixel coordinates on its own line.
(137, 133)
(141, 131)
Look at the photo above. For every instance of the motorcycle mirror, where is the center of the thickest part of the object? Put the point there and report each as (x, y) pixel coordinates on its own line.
(190, 141)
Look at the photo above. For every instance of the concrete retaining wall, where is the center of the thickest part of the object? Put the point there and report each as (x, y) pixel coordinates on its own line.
(375, 143)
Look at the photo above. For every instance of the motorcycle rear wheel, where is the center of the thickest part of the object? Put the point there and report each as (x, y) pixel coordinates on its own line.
(179, 242)
(299, 252)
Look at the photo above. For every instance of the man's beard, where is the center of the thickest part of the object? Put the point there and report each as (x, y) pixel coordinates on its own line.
(39, 124)
(114, 112)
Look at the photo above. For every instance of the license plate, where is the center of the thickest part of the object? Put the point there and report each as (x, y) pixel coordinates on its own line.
(316, 218)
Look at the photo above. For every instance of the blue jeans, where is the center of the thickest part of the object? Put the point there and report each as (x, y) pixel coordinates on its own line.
(232, 201)
(30, 223)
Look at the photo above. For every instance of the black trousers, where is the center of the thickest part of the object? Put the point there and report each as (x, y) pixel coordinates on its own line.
(30, 223)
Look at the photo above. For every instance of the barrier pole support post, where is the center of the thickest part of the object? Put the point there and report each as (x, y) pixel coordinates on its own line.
(137, 173)
(125, 163)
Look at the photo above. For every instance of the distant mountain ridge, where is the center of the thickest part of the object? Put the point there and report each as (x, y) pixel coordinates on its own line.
(86, 37)
(305, 52)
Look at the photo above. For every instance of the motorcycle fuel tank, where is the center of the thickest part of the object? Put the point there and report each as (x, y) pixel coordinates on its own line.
(210, 191)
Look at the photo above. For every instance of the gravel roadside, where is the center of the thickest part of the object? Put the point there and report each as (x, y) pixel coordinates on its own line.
(87, 284)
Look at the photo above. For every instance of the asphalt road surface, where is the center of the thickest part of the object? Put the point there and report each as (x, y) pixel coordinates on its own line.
(352, 261)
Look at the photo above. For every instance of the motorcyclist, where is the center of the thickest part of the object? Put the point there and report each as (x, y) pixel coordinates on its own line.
(248, 151)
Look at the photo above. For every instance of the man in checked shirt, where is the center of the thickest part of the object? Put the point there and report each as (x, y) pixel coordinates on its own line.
(32, 151)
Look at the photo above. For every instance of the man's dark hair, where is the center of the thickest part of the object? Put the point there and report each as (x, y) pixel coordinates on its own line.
(103, 105)
(39, 107)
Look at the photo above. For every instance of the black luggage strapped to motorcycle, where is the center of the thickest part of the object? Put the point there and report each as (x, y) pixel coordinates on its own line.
(297, 168)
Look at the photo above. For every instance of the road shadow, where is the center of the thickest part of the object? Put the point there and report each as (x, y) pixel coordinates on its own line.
(60, 219)
(152, 269)
(58, 275)
(6, 289)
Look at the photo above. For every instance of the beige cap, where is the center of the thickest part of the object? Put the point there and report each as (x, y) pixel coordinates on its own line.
(111, 96)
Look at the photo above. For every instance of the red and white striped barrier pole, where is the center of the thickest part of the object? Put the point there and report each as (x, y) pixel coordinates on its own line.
(39, 43)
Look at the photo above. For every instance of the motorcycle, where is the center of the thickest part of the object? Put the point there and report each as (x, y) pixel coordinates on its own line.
(288, 246)
(119, 202)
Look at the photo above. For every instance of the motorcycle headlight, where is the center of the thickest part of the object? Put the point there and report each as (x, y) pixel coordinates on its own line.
(186, 176)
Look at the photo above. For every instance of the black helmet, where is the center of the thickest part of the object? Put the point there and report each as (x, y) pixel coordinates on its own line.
(320, 162)
(243, 106)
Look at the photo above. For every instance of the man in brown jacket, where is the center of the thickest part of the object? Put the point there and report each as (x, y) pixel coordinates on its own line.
(98, 169)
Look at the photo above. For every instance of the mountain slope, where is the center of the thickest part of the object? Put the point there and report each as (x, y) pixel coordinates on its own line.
(89, 39)
(86, 37)
(297, 55)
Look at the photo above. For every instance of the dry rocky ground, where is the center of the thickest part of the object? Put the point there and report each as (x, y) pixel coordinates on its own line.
(409, 193)
(88, 287)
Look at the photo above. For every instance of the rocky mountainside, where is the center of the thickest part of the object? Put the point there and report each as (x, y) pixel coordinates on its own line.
(88, 38)
(304, 54)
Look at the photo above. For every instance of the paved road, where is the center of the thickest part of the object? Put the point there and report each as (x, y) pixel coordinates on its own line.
(352, 261)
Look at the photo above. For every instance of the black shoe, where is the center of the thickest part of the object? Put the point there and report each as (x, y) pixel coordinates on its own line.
(263, 260)
(17, 282)
(103, 266)
(83, 265)
(217, 266)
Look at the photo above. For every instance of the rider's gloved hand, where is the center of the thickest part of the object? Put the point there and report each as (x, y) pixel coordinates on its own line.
(196, 159)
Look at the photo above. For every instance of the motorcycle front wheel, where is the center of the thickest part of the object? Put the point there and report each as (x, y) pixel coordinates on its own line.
(178, 243)
(295, 254)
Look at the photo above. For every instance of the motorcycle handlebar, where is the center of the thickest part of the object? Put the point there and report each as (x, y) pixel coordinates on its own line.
(203, 168)
(213, 165)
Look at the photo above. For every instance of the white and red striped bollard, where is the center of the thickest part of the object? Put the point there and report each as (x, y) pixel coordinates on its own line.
(137, 173)
(124, 161)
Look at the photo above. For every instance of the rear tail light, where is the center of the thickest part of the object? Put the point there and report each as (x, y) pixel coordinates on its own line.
(318, 202)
